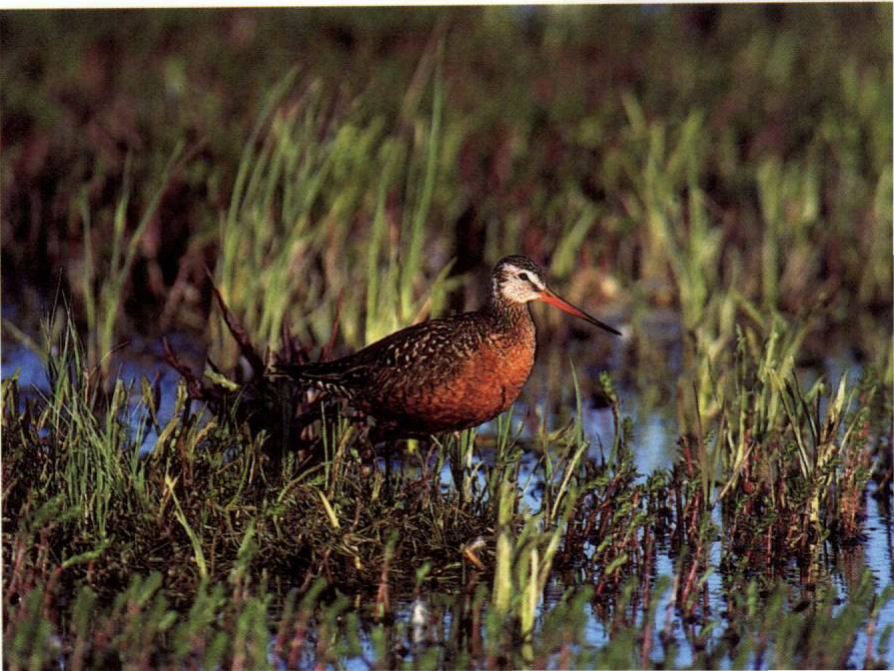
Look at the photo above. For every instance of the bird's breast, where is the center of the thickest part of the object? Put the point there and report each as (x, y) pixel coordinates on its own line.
(486, 383)
(494, 378)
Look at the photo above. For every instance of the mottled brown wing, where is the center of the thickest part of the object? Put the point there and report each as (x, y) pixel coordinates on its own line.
(403, 363)
(413, 367)
(419, 355)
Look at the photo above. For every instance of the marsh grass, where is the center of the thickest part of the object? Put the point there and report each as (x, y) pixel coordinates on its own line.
(254, 525)
(342, 191)
(103, 288)
(208, 528)
(650, 196)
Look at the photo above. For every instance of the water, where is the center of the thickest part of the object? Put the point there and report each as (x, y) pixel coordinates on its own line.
(654, 444)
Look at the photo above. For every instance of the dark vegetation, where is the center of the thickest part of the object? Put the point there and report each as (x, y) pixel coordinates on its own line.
(338, 174)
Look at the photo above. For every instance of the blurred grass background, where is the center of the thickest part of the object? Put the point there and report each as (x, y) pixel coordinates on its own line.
(715, 176)
(651, 156)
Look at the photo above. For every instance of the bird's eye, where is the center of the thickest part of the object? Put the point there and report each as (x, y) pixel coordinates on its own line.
(524, 276)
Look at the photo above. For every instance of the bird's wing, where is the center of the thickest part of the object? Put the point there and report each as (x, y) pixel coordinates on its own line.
(418, 355)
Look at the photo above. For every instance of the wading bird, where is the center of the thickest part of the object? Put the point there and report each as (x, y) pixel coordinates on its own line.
(447, 374)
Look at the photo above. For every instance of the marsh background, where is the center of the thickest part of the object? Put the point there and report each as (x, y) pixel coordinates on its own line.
(716, 179)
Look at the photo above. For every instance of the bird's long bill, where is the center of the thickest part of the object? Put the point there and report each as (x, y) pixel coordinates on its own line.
(548, 296)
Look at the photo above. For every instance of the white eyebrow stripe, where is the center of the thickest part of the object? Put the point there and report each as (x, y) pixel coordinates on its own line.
(532, 276)
(533, 279)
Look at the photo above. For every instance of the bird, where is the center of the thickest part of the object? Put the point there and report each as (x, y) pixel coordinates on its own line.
(450, 374)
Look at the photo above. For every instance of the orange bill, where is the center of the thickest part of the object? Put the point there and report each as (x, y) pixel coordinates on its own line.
(548, 296)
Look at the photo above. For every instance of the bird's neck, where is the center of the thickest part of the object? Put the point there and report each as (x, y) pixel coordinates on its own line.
(508, 315)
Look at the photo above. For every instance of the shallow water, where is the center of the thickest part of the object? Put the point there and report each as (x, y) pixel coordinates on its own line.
(654, 445)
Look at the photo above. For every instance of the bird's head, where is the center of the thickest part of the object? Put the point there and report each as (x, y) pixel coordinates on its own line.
(518, 280)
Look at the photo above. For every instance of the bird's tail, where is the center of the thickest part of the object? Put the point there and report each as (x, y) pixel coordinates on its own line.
(292, 371)
(330, 372)
(327, 376)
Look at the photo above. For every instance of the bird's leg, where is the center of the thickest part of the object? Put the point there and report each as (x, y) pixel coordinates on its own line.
(457, 466)
(382, 434)
(304, 420)
(388, 488)
(366, 446)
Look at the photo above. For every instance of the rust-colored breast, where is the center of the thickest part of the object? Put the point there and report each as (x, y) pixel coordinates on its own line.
(486, 384)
